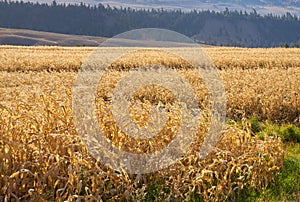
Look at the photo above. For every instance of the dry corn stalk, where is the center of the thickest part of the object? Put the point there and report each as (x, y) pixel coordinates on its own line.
(43, 159)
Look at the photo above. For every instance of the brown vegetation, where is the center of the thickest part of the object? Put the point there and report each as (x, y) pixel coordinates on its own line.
(42, 158)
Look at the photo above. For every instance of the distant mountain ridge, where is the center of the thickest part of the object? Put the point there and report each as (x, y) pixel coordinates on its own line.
(240, 2)
(277, 7)
(262, 6)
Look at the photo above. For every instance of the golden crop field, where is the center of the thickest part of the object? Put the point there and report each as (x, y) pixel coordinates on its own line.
(42, 157)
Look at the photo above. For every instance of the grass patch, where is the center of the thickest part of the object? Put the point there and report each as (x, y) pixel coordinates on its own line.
(287, 184)
(288, 133)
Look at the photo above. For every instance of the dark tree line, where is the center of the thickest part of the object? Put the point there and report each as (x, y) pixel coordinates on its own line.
(100, 20)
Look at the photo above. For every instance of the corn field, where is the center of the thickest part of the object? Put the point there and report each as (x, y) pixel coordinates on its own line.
(43, 159)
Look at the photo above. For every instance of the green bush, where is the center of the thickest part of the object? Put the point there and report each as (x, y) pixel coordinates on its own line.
(289, 133)
(256, 126)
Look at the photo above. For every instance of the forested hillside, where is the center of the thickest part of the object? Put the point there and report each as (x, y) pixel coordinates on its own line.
(234, 28)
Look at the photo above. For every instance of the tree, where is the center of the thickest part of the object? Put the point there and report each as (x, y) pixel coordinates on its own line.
(54, 3)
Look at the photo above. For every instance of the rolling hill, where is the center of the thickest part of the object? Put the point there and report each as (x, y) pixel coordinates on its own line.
(29, 37)
(227, 28)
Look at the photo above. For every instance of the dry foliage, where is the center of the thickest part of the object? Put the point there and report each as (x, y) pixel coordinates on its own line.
(258, 82)
(42, 158)
(40, 58)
